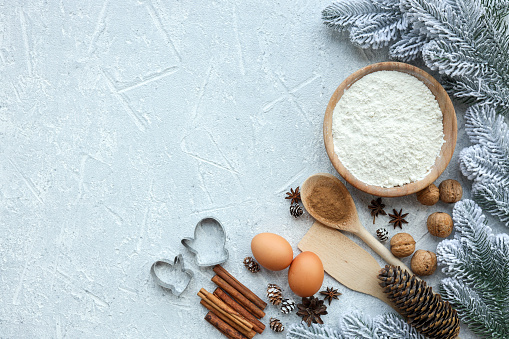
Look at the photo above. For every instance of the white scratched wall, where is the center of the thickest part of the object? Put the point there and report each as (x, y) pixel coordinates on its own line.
(123, 123)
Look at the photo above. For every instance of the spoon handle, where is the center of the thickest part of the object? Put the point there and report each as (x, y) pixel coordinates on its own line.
(380, 249)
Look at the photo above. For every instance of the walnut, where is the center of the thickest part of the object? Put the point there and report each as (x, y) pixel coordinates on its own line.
(450, 191)
(402, 245)
(424, 262)
(428, 196)
(440, 224)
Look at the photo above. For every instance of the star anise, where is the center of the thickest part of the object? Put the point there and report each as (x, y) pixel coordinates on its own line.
(377, 208)
(398, 219)
(294, 195)
(330, 294)
(311, 309)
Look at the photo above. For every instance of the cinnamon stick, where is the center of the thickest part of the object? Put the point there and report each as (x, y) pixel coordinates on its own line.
(230, 313)
(226, 308)
(250, 334)
(223, 327)
(239, 297)
(258, 326)
(246, 292)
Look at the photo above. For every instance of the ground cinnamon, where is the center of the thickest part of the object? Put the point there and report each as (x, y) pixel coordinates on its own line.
(328, 200)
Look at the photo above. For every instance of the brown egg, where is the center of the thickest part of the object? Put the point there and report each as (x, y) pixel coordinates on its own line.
(272, 251)
(305, 275)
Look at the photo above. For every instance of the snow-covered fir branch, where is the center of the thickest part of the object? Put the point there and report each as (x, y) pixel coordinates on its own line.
(370, 23)
(477, 264)
(315, 331)
(487, 161)
(465, 40)
(357, 325)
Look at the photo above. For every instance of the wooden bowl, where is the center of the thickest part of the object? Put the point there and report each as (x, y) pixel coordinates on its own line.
(449, 122)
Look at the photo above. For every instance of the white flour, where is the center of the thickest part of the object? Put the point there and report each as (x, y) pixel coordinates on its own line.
(387, 129)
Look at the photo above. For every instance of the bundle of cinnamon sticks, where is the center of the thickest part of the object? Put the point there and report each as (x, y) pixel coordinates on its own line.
(233, 308)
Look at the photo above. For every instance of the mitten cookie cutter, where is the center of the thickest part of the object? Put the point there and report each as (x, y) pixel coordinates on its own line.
(181, 277)
(208, 243)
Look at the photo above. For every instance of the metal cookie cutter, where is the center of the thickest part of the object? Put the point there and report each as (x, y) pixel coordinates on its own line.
(176, 275)
(208, 243)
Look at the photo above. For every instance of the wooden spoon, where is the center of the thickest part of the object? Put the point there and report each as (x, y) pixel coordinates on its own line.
(344, 260)
(326, 198)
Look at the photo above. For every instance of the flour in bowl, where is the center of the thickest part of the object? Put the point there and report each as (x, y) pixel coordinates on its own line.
(387, 129)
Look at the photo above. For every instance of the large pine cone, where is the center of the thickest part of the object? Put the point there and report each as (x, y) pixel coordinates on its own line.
(425, 311)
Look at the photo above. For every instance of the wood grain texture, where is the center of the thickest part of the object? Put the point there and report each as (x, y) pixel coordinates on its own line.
(344, 260)
(449, 123)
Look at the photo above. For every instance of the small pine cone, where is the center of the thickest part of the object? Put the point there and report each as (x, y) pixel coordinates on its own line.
(287, 305)
(251, 264)
(296, 210)
(382, 234)
(424, 310)
(276, 326)
(274, 294)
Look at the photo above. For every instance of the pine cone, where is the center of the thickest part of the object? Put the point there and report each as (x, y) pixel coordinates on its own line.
(274, 294)
(425, 311)
(251, 264)
(276, 326)
(287, 305)
(295, 210)
(382, 234)
(311, 309)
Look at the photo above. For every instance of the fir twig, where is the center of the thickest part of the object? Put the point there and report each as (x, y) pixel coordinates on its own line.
(477, 263)
(467, 41)
(371, 23)
(357, 325)
(487, 162)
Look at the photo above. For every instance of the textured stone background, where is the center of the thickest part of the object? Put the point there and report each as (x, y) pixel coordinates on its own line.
(123, 123)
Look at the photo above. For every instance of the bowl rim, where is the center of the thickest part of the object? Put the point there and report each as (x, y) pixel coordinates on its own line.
(449, 122)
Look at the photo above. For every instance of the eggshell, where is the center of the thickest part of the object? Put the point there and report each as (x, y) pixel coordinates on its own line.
(305, 275)
(272, 251)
